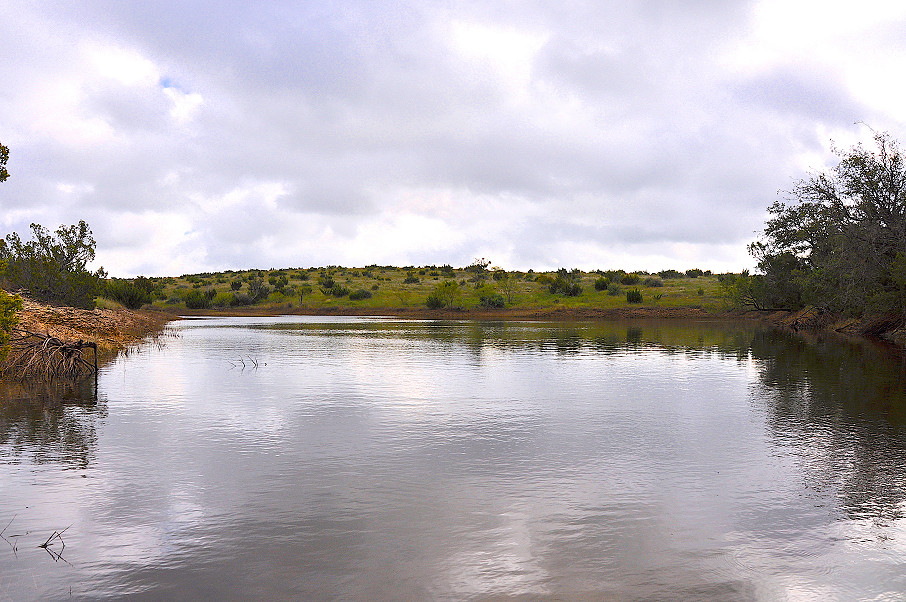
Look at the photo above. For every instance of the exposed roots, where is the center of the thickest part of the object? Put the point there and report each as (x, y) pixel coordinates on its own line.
(34, 355)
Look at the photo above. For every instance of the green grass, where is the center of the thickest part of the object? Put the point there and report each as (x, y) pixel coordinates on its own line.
(390, 291)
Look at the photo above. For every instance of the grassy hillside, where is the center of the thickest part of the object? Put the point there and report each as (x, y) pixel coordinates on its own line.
(473, 288)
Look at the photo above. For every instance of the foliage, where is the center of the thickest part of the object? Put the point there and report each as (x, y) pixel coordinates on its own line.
(601, 283)
(490, 298)
(694, 273)
(566, 283)
(258, 291)
(614, 289)
(131, 293)
(445, 294)
(52, 266)
(10, 305)
(4, 157)
(360, 294)
(837, 245)
(630, 279)
(670, 274)
(634, 296)
(236, 285)
(196, 299)
(338, 290)
(411, 278)
(653, 281)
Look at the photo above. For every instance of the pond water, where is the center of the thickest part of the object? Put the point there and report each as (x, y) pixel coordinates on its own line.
(370, 458)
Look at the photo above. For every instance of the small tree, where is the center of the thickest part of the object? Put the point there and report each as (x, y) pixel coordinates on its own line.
(52, 267)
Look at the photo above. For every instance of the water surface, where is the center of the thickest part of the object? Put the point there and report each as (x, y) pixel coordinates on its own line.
(366, 458)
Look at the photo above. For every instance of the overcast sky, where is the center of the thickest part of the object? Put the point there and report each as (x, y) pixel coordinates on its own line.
(196, 136)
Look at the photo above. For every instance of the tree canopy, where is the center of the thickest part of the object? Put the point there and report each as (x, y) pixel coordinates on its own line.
(4, 157)
(840, 242)
(52, 266)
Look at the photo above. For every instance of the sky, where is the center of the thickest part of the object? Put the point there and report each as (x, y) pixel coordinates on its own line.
(639, 134)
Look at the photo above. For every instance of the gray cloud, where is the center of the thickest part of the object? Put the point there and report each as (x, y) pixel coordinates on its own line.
(337, 133)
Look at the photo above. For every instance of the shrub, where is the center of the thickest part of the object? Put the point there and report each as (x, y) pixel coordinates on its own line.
(634, 296)
(222, 299)
(131, 293)
(613, 289)
(445, 294)
(630, 279)
(258, 291)
(360, 294)
(338, 290)
(694, 273)
(566, 283)
(195, 299)
(493, 300)
(601, 283)
(9, 317)
(411, 278)
(236, 285)
(653, 281)
(670, 274)
(242, 299)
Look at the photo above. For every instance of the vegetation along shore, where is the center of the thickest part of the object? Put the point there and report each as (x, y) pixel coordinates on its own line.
(833, 255)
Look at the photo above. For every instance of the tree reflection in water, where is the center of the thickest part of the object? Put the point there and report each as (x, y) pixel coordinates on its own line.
(840, 405)
(45, 422)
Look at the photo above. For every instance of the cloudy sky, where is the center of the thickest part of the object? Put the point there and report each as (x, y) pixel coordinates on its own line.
(640, 134)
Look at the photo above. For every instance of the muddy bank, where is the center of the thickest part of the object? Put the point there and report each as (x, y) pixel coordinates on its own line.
(111, 329)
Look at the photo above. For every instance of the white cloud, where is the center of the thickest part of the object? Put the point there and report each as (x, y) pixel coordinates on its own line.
(594, 134)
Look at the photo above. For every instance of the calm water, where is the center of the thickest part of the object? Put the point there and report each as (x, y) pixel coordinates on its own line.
(389, 459)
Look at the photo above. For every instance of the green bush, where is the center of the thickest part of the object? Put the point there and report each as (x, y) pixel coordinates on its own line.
(338, 290)
(360, 294)
(601, 283)
(634, 296)
(223, 299)
(411, 278)
(670, 274)
(653, 281)
(195, 299)
(131, 293)
(9, 317)
(445, 294)
(630, 279)
(614, 289)
(694, 273)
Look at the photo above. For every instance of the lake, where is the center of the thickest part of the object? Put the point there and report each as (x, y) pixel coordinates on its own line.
(374, 459)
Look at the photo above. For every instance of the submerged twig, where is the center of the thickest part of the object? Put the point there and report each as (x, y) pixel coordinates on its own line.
(47, 545)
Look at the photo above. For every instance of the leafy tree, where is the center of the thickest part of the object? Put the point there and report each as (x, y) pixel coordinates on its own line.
(52, 266)
(4, 157)
(836, 246)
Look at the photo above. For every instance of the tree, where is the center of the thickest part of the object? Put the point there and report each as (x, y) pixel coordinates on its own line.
(4, 157)
(836, 245)
(52, 266)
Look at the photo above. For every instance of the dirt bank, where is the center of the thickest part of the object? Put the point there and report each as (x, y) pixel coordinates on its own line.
(111, 329)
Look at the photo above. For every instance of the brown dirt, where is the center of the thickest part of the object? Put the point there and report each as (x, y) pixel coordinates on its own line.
(111, 329)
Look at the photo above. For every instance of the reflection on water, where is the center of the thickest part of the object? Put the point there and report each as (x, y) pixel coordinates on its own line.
(355, 458)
